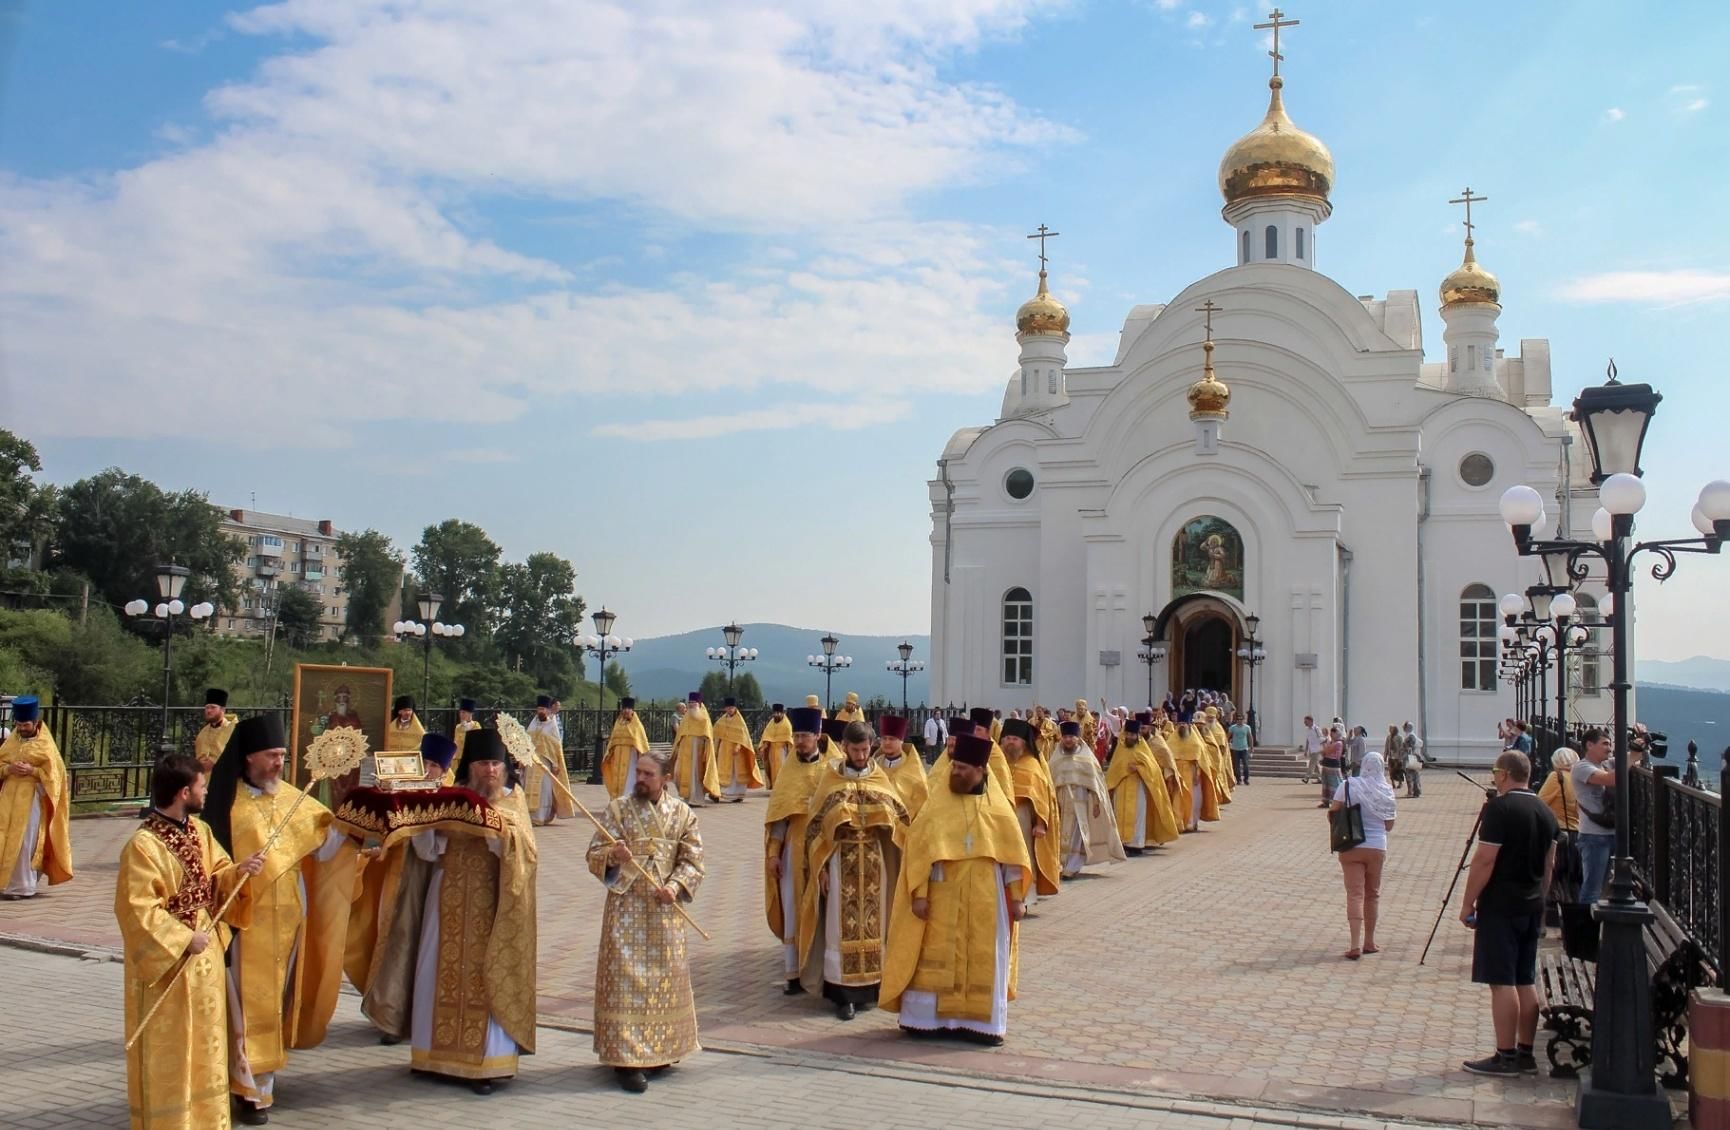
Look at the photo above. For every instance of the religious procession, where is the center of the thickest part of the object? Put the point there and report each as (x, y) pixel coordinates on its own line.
(245, 901)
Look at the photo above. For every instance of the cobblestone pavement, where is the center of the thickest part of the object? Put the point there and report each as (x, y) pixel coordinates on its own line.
(1210, 968)
(61, 1066)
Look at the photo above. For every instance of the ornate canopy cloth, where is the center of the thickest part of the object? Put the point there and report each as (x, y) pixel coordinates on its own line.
(645, 1015)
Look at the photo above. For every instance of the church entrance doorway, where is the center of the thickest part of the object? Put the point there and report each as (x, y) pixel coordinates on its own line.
(1201, 632)
(1207, 655)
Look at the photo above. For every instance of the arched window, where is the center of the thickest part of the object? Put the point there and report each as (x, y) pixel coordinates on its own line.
(1051, 381)
(1471, 358)
(1018, 638)
(1024, 375)
(1243, 251)
(1300, 243)
(1453, 359)
(1590, 658)
(1272, 242)
(1479, 638)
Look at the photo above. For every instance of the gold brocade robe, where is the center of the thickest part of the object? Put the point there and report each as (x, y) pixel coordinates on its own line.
(172, 877)
(1224, 776)
(1133, 769)
(548, 751)
(209, 743)
(1176, 784)
(735, 754)
(694, 773)
(1193, 754)
(286, 1006)
(1089, 821)
(790, 802)
(908, 773)
(775, 746)
(1036, 802)
(403, 739)
(860, 823)
(850, 712)
(627, 741)
(1046, 739)
(645, 1015)
(952, 951)
(997, 766)
(51, 853)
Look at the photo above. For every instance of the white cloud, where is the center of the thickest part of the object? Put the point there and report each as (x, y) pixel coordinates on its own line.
(838, 416)
(1689, 97)
(1529, 227)
(324, 257)
(1197, 20)
(1695, 106)
(1168, 5)
(1652, 287)
(1614, 114)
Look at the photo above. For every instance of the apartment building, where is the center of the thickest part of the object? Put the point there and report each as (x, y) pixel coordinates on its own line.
(282, 551)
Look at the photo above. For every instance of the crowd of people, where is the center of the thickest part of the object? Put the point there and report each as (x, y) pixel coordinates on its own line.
(1339, 751)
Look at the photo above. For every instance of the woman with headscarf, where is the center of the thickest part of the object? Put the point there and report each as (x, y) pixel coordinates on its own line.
(1361, 866)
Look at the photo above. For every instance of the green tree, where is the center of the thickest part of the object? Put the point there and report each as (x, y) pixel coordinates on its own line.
(298, 613)
(745, 689)
(116, 528)
(103, 663)
(458, 561)
(27, 508)
(542, 615)
(372, 574)
(617, 681)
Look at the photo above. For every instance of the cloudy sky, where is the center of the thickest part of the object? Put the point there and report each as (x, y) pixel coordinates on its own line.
(693, 292)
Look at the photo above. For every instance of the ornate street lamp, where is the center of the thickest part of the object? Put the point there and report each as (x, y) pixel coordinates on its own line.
(170, 581)
(828, 663)
(1620, 1090)
(600, 645)
(426, 629)
(1252, 655)
(1152, 651)
(904, 667)
(731, 654)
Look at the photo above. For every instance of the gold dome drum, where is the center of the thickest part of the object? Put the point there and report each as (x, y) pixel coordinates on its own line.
(1276, 158)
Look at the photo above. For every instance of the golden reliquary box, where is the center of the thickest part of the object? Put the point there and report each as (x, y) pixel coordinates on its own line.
(402, 772)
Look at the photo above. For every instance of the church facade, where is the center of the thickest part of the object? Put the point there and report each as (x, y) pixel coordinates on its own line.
(1321, 484)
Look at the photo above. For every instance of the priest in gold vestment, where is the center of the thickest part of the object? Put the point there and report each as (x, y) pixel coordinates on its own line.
(627, 742)
(546, 801)
(1087, 824)
(466, 722)
(456, 968)
(173, 874)
(853, 846)
(35, 806)
(775, 744)
(694, 775)
(285, 963)
(784, 826)
(213, 735)
(953, 933)
(850, 710)
(977, 722)
(645, 1015)
(404, 732)
(1035, 806)
(1192, 753)
(735, 753)
(1138, 793)
(901, 762)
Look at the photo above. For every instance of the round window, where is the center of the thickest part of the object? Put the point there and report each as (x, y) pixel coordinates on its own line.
(1019, 483)
(1477, 469)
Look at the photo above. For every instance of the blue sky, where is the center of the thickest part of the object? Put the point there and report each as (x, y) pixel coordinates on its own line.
(692, 293)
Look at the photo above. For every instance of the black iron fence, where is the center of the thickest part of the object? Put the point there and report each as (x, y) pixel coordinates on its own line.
(1677, 838)
(110, 750)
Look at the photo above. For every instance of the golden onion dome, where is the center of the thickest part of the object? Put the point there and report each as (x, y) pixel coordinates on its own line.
(1042, 314)
(1208, 397)
(1276, 158)
(1470, 283)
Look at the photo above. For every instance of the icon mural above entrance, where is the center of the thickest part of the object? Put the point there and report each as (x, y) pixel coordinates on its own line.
(1207, 556)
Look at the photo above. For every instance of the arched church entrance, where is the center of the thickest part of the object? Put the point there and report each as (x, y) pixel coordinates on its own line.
(1207, 655)
(1201, 632)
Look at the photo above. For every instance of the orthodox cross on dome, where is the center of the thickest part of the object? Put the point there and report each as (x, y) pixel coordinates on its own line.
(1468, 200)
(1207, 310)
(1276, 20)
(1044, 233)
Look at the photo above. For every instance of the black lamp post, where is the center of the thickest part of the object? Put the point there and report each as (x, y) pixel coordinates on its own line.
(828, 663)
(732, 654)
(1252, 655)
(904, 667)
(1620, 1090)
(600, 645)
(170, 581)
(426, 629)
(1152, 651)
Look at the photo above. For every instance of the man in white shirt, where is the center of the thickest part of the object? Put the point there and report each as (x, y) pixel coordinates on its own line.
(1311, 736)
(935, 734)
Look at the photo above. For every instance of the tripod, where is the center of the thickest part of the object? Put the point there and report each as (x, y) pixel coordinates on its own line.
(1459, 870)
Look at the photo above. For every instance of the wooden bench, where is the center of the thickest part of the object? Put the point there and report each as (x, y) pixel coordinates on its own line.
(1677, 966)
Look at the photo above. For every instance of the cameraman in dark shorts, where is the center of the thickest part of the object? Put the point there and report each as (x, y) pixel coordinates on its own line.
(1504, 903)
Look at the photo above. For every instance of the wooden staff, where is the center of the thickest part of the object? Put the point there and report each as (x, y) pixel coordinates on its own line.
(547, 768)
(186, 959)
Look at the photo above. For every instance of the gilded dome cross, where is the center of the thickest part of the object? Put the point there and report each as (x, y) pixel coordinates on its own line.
(1468, 200)
(1276, 20)
(1044, 233)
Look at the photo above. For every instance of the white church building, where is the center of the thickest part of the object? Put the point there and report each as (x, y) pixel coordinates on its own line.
(1268, 451)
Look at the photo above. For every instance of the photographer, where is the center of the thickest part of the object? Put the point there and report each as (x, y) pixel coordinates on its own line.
(1594, 778)
(1504, 903)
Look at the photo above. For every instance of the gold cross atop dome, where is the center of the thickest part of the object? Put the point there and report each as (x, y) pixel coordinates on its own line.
(1044, 233)
(1276, 20)
(1276, 158)
(1468, 200)
(1470, 283)
(1208, 397)
(1042, 314)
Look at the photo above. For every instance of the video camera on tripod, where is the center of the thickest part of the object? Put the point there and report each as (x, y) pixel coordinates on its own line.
(1490, 794)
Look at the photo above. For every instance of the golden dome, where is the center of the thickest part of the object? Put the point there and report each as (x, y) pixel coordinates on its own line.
(1208, 397)
(1470, 283)
(1276, 159)
(1042, 314)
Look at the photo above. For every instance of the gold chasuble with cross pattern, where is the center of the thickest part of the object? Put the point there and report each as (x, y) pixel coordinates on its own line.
(856, 832)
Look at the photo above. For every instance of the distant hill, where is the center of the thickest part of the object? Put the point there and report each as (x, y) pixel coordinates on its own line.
(1685, 714)
(1703, 672)
(673, 665)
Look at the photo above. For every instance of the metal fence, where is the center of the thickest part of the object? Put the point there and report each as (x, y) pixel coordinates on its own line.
(1677, 838)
